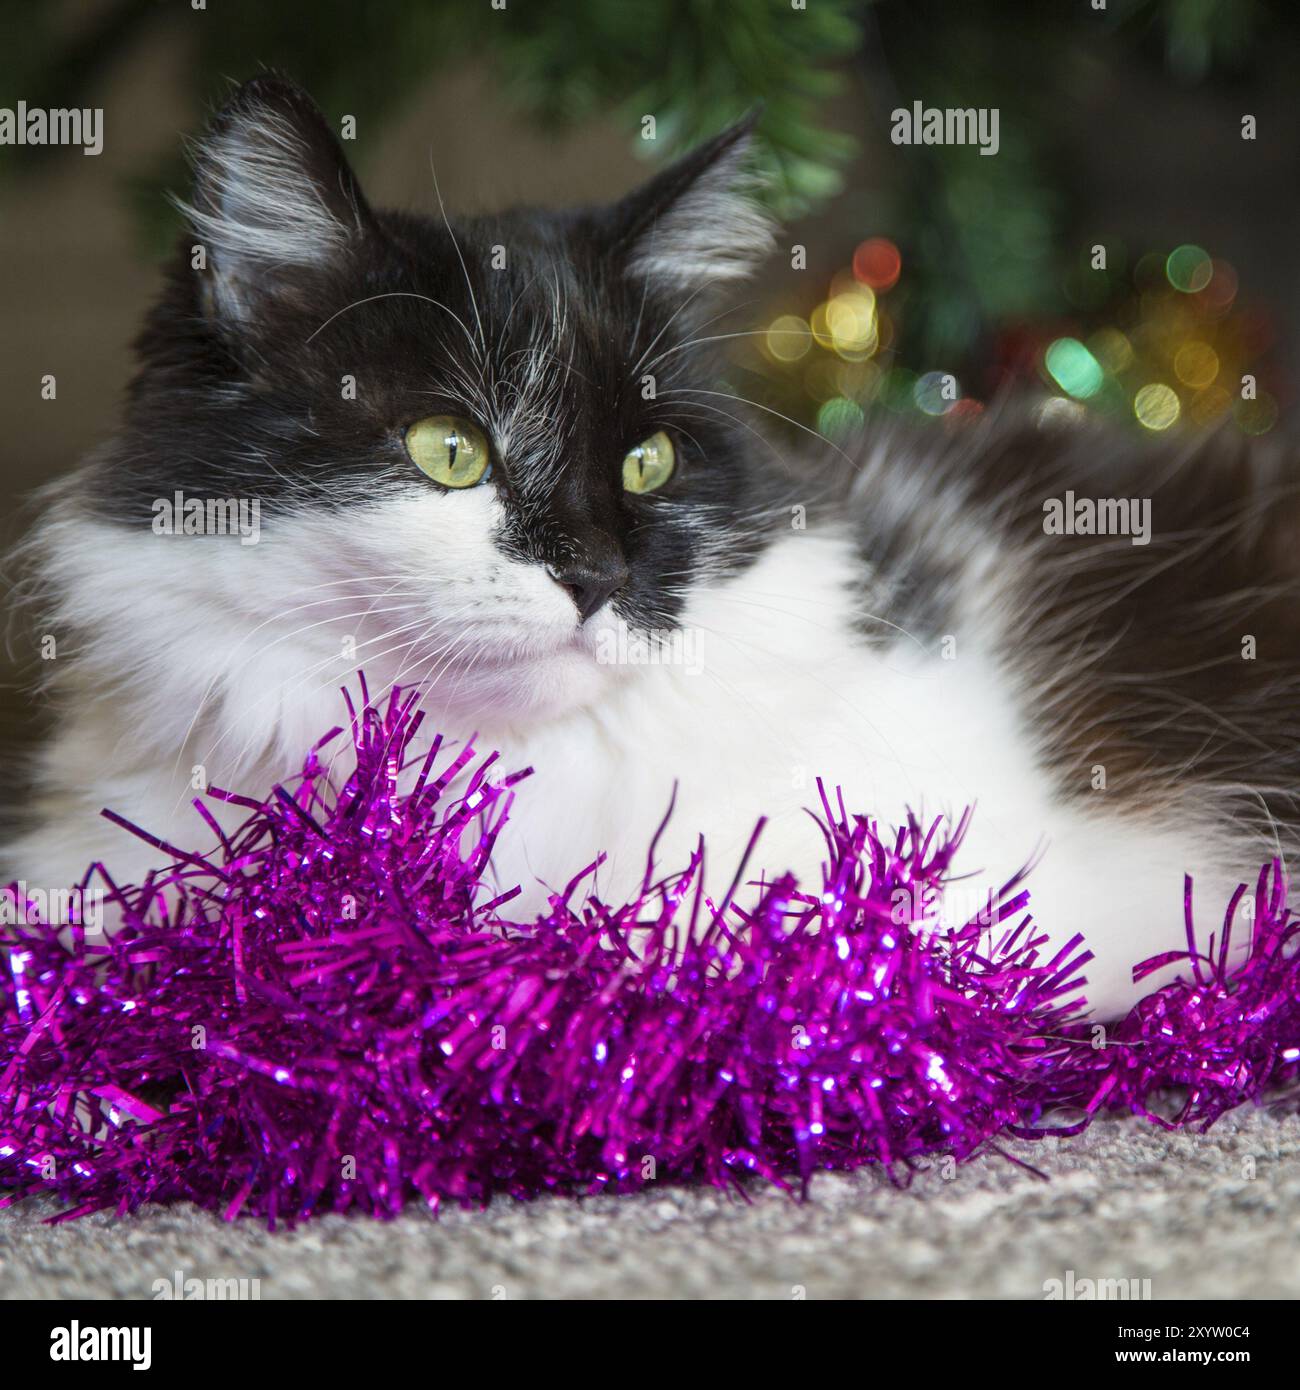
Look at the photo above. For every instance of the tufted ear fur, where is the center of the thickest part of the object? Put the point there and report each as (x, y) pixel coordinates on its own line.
(696, 223)
(273, 196)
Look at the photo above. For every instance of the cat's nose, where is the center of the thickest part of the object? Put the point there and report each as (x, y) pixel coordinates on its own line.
(590, 584)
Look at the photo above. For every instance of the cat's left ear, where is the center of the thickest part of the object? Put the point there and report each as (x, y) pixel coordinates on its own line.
(697, 223)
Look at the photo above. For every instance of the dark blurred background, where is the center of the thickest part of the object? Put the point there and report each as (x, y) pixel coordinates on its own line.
(1120, 126)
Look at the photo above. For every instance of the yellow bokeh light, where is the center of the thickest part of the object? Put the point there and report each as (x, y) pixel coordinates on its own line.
(788, 338)
(1196, 365)
(851, 324)
(1112, 349)
(820, 329)
(1156, 406)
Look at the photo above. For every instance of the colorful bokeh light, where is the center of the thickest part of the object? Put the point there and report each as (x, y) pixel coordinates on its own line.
(1196, 364)
(1172, 346)
(839, 417)
(1189, 268)
(936, 393)
(851, 323)
(788, 338)
(1157, 406)
(877, 263)
(1074, 369)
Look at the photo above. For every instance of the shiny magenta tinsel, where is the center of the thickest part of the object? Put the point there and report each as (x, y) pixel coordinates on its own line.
(332, 1014)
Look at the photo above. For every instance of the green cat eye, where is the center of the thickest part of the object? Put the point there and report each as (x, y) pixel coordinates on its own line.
(452, 452)
(650, 464)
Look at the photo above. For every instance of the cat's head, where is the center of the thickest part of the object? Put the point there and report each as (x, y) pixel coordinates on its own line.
(476, 444)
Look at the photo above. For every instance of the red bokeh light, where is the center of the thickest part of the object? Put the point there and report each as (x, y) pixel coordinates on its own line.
(876, 263)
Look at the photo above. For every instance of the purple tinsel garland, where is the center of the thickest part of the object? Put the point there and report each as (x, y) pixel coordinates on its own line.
(331, 1014)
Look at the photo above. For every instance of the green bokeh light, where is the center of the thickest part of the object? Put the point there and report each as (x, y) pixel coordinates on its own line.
(839, 417)
(1073, 368)
(1189, 268)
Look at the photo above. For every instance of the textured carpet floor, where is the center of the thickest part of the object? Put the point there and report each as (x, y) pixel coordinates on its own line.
(1212, 1216)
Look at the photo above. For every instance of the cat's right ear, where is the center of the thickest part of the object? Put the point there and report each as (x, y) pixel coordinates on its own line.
(273, 197)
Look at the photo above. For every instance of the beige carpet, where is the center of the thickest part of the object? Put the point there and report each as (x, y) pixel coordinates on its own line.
(1125, 1201)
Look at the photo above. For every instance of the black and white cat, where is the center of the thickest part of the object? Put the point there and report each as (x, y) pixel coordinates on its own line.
(493, 457)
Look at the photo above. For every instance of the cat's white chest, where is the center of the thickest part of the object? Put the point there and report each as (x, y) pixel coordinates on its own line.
(780, 692)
